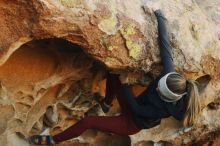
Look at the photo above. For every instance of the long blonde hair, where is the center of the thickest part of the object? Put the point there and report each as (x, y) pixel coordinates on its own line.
(178, 84)
(194, 108)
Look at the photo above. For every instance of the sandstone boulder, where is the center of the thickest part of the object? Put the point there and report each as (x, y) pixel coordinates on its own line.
(52, 54)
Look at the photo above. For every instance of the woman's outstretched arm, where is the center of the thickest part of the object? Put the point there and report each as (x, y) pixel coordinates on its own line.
(165, 48)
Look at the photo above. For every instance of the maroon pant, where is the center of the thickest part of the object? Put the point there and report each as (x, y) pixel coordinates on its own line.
(121, 125)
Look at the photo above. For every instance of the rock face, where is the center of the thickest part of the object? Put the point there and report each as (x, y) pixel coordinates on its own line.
(46, 81)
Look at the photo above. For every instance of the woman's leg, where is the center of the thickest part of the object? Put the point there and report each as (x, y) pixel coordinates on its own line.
(121, 125)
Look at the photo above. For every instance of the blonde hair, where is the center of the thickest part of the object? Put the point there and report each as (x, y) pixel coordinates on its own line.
(194, 107)
(178, 84)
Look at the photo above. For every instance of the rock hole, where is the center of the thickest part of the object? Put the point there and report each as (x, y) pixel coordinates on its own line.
(202, 83)
(213, 106)
(50, 117)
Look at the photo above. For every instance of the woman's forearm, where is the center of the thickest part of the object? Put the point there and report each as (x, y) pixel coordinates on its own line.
(165, 48)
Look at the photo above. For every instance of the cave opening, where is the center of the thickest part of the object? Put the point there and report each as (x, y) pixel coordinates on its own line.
(51, 82)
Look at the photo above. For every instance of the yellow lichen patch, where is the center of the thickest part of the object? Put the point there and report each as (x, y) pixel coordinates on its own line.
(134, 48)
(130, 30)
(128, 34)
(70, 3)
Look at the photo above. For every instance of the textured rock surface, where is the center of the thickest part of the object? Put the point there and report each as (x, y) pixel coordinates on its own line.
(48, 82)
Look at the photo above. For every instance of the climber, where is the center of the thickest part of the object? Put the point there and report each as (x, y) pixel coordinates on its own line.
(169, 95)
